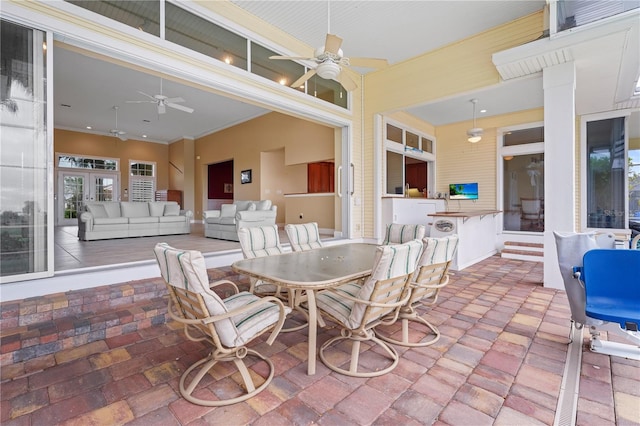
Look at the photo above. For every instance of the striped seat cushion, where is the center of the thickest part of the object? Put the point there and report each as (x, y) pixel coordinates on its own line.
(254, 320)
(259, 241)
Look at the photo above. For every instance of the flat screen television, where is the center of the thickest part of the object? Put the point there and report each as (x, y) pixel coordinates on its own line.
(463, 191)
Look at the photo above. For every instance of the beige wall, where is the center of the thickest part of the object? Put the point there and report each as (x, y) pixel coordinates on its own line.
(318, 208)
(300, 142)
(69, 142)
(459, 67)
(278, 179)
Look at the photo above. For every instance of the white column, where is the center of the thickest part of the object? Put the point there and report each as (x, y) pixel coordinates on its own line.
(559, 157)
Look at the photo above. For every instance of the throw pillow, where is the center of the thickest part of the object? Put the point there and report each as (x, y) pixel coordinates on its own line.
(227, 210)
(171, 210)
(97, 210)
(263, 205)
(251, 207)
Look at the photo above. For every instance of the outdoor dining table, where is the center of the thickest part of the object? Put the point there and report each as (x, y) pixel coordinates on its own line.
(311, 271)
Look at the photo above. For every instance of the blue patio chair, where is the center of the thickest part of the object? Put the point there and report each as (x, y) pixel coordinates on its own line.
(611, 280)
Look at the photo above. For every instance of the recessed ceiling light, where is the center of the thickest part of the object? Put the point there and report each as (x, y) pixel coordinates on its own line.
(144, 136)
(482, 111)
(89, 127)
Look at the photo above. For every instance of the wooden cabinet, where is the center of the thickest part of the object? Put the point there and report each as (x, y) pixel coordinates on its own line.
(169, 195)
(320, 177)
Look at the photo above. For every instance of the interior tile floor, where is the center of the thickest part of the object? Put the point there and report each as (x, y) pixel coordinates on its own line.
(500, 361)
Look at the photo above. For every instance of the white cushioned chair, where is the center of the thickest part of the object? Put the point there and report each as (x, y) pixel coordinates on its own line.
(427, 281)
(304, 236)
(228, 324)
(397, 233)
(359, 308)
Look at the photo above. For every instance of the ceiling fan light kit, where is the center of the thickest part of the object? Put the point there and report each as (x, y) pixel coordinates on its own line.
(120, 134)
(474, 134)
(328, 70)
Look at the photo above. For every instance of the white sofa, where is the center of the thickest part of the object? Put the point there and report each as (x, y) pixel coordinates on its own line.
(122, 219)
(223, 224)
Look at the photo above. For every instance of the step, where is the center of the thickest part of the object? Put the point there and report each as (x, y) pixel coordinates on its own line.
(531, 252)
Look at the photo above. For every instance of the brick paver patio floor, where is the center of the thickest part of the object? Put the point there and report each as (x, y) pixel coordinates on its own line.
(499, 361)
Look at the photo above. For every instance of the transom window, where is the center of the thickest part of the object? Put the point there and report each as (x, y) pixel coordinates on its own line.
(409, 160)
(85, 162)
(142, 181)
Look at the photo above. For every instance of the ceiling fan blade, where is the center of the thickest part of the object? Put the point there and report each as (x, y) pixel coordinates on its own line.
(161, 108)
(292, 58)
(140, 102)
(180, 107)
(299, 82)
(368, 62)
(332, 44)
(147, 95)
(174, 100)
(346, 81)
(122, 136)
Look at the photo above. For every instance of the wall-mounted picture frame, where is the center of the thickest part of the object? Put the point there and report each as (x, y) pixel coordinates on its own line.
(228, 188)
(245, 176)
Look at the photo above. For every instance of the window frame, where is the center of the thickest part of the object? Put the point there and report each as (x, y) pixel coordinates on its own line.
(626, 114)
(407, 151)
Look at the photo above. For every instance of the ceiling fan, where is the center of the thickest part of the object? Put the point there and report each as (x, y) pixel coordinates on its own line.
(331, 62)
(120, 134)
(162, 102)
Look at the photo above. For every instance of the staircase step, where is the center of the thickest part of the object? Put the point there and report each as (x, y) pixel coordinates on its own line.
(531, 252)
(521, 244)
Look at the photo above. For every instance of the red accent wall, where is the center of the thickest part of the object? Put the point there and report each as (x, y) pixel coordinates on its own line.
(219, 175)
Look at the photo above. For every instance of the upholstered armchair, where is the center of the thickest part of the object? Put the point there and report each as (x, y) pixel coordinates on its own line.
(229, 325)
(357, 309)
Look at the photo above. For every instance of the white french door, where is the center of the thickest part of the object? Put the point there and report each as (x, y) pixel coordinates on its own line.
(76, 188)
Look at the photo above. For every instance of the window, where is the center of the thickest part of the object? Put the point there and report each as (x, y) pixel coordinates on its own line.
(72, 162)
(141, 14)
(523, 183)
(634, 188)
(606, 173)
(25, 219)
(196, 33)
(142, 181)
(408, 156)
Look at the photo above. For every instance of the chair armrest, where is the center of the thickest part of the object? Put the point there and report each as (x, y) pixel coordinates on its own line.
(210, 213)
(223, 282)
(186, 213)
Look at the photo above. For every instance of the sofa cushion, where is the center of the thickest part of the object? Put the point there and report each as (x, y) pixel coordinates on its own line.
(156, 208)
(172, 210)
(172, 219)
(97, 210)
(242, 204)
(113, 209)
(111, 221)
(134, 209)
(263, 205)
(251, 207)
(227, 210)
(143, 219)
(227, 221)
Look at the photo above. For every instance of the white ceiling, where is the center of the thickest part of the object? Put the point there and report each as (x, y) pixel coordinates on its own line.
(395, 30)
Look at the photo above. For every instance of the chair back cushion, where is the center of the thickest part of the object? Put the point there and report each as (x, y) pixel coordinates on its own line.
(433, 265)
(186, 269)
(571, 248)
(390, 261)
(305, 236)
(259, 241)
(398, 233)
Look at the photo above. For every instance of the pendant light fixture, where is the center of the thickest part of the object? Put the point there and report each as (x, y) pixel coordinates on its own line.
(474, 134)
